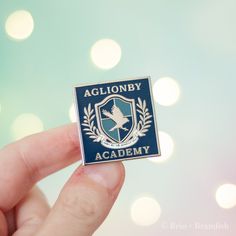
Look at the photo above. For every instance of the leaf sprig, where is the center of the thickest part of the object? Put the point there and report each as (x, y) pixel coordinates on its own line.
(145, 118)
(89, 126)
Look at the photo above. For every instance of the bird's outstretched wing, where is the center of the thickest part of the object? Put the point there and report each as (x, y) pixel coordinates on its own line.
(108, 114)
(117, 113)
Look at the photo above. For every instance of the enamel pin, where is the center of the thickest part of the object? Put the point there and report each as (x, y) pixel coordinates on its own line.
(116, 121)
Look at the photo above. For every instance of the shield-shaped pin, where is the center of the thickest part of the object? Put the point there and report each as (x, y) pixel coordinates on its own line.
(116, 117)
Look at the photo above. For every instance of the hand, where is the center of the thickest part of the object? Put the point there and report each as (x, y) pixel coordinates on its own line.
(84, 202)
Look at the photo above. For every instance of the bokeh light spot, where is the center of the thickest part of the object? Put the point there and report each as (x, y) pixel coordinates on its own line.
(166, 91)
(72, 113)
(167, 147)
(145, 211)
(106, 53)
(26, 124)
(226, 196)
(19, 25)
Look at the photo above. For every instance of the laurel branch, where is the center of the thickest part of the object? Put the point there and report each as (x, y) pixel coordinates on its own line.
(89, 126)
(144, 115)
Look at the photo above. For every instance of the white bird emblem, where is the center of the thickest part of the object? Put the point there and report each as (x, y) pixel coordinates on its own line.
(117, 116)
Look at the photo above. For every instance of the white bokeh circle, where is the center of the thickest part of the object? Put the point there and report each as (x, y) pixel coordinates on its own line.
(226, 196)
(106, 53)
(166, 146)
(145, 211)
(19, 25)
(72, 113)
(166, 91)
(26, 124)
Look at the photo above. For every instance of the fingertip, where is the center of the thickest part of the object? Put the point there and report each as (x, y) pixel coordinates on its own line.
(108, 175)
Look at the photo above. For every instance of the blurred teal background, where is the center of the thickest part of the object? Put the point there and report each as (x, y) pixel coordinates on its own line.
(191, 41)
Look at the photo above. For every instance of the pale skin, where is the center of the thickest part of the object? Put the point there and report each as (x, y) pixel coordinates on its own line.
(84, 201)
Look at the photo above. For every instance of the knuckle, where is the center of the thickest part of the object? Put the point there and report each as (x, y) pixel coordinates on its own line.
(33, 220)
(80, 207)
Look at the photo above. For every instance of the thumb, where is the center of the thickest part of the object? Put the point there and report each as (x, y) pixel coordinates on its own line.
(85, 201)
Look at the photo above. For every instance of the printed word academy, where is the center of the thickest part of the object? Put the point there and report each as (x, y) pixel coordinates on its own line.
(122, 153)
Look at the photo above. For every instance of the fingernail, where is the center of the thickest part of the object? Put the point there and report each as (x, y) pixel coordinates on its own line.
(107, 174)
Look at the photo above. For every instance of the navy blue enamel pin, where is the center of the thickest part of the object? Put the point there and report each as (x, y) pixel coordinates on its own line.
(116, 121)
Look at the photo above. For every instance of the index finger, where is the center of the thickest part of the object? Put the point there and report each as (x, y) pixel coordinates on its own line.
(25, 162)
